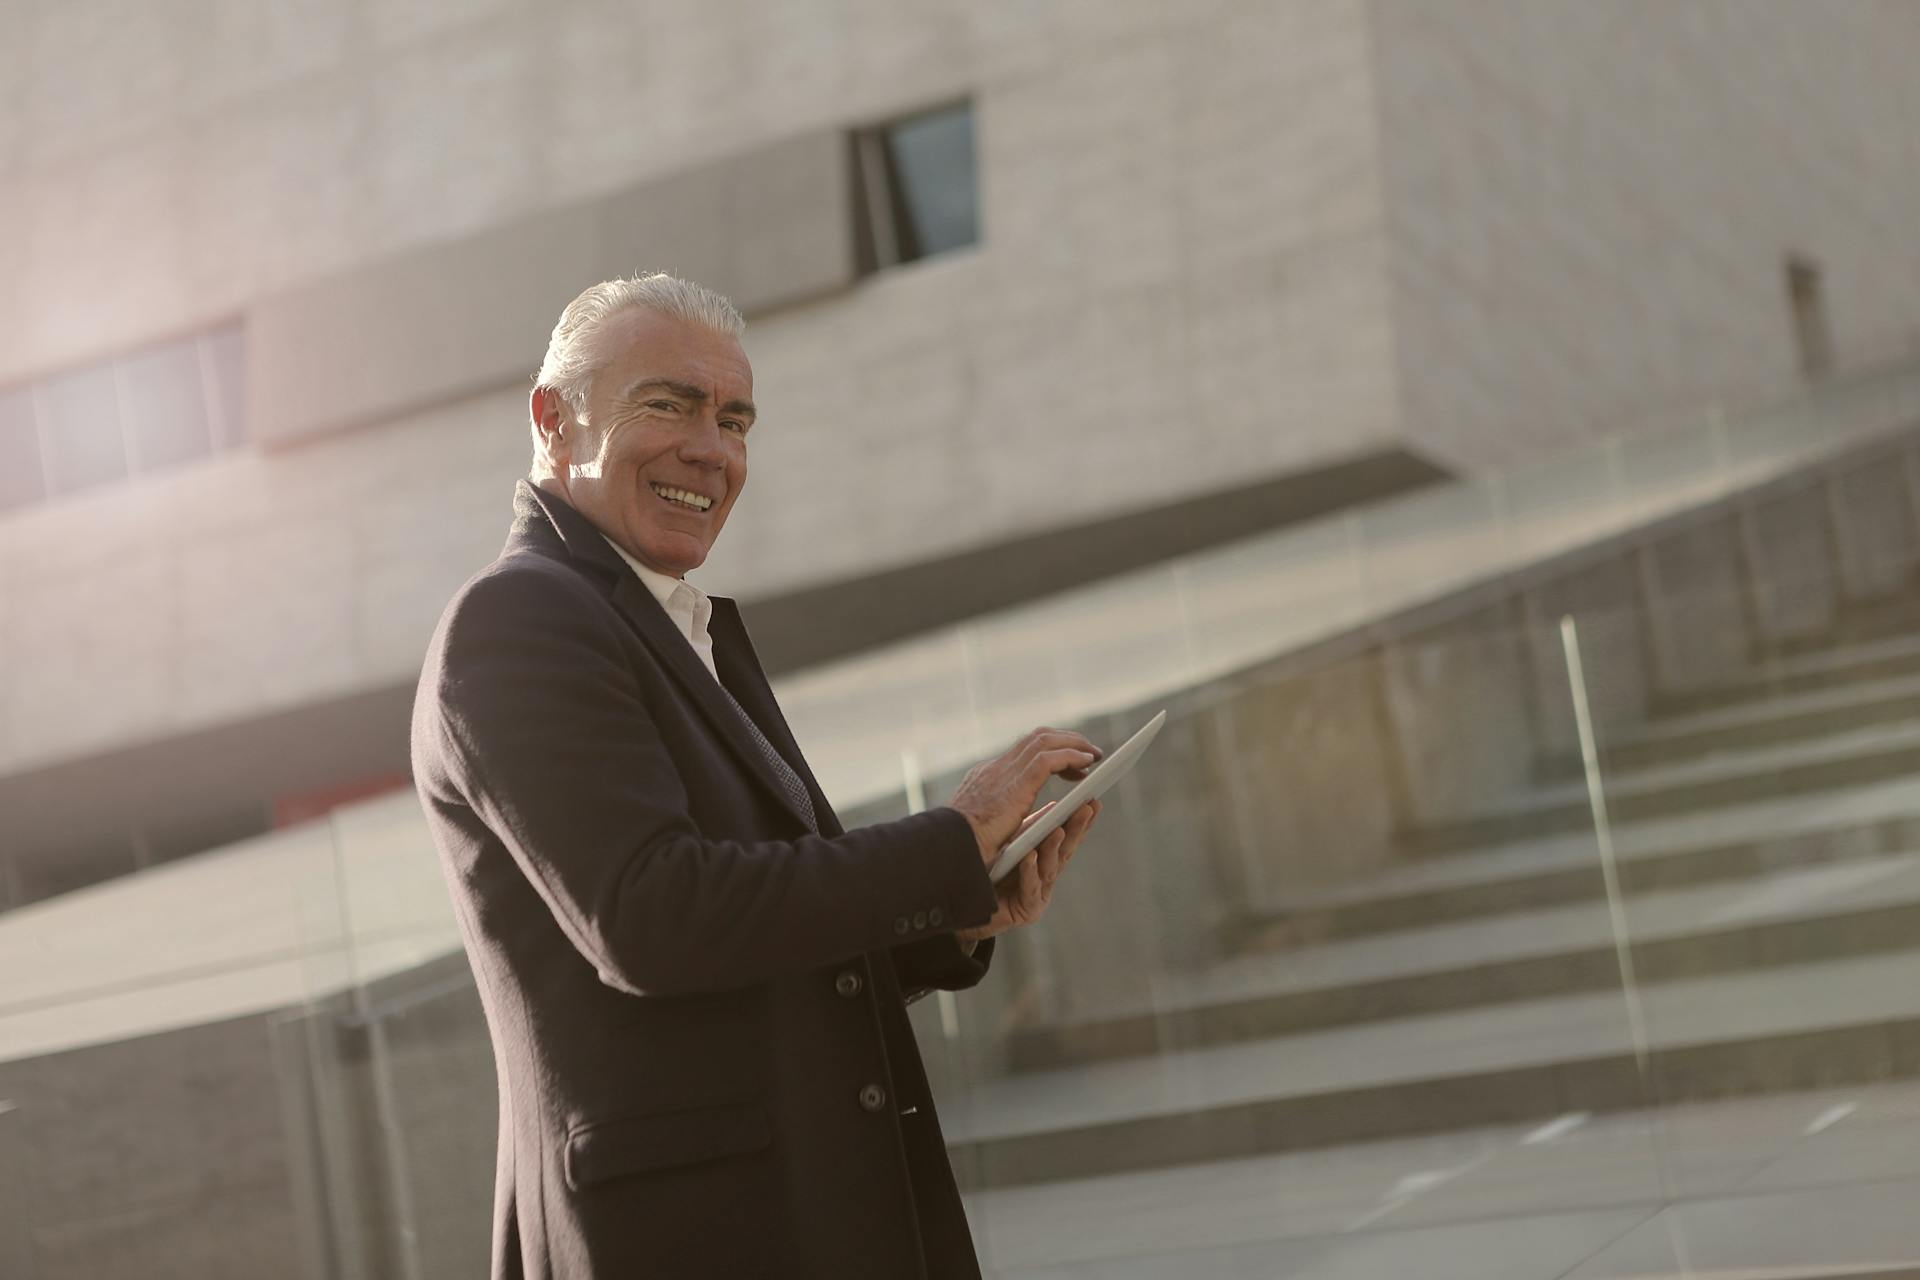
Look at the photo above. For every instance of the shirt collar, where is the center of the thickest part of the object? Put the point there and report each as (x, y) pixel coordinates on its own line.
(663, 586)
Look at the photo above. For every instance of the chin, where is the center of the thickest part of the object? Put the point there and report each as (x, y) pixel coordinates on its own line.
(675, 564)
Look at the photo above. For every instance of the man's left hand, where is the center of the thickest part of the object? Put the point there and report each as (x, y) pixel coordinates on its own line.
(1025, 893)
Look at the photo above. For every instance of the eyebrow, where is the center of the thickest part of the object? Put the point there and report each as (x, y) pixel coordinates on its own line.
(687, 391)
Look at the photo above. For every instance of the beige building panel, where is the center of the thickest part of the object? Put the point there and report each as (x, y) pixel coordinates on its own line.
(422, 328)
(453, 134)
(292, 584)
(106, 261)
(1591, 206)
(92, 657)
(97, 74)
(276, 192)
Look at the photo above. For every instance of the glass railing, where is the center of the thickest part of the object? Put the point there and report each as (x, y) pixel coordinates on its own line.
(1481, 940)
(1469, 907)
(951, 695)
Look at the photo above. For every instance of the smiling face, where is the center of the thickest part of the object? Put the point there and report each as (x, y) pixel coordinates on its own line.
(659, 454)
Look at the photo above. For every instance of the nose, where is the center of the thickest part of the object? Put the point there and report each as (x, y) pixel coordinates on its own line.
(702, 445)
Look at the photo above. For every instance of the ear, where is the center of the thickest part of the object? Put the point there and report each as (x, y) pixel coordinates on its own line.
(551, 417)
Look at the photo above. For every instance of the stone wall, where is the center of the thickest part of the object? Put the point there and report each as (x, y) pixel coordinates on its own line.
(1592, 206)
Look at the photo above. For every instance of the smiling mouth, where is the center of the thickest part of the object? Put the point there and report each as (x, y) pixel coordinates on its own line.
(682, 497)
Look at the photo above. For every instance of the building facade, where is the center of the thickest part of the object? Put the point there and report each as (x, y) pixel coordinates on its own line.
(275, 278)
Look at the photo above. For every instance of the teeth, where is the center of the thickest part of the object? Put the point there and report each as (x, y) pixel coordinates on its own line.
(684, 497)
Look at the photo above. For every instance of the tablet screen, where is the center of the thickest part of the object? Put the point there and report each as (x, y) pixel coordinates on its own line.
(1109, 771)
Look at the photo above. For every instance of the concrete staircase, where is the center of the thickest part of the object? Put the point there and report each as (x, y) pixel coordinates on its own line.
(1767, 831)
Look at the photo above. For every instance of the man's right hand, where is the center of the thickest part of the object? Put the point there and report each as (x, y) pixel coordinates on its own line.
(997, 794)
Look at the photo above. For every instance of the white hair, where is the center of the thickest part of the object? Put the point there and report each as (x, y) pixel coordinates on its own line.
(573, 352)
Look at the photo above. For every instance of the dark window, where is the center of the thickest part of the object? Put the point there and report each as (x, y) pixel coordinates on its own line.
(22, 479)
(1808, 298)
(917, 191)
(81, 415)
(163, 392)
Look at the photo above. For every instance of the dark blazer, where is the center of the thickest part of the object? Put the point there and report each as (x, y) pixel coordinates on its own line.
(696, 1004)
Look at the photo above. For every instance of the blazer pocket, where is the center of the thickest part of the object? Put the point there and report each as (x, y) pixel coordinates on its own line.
(601, 1149)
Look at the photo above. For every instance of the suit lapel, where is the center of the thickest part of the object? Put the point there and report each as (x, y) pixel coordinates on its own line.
(649, 619)
(740, 668)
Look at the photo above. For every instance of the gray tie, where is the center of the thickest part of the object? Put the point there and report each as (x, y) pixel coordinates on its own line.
(789, 780)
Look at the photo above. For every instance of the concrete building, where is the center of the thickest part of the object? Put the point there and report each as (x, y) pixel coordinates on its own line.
(1213, 248)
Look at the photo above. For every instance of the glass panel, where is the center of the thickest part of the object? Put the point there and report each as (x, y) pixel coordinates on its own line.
(83, 436)
(146, 1125)
(182, 837)
(1430, 543)
(1664, 470)
(1561, 503)
(21, 478)
(1764, 821)
(38, 874)
(933, 170)
(164, 397)
(16, 1161)
(1291, 997)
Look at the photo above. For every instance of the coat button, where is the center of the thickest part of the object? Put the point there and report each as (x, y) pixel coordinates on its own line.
(901, 924)
(919, 919)
(872, 1098)
(848, 983)
(936, 918)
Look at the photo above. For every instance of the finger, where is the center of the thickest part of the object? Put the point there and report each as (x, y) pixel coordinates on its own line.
(1050, 851)
(1076, 827)
(1032, 893)
(1048, 763)
(1076, 824)
(1043, 740)
(1036, 815)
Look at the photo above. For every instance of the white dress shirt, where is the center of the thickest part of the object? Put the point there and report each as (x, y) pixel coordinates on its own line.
(685, 603)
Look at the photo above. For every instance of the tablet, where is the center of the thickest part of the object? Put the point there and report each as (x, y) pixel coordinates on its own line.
(1113, 767)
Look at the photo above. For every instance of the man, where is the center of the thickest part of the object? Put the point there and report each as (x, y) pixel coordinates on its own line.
(694, 979)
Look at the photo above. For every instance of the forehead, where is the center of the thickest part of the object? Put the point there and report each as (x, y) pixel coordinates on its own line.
(643, 344)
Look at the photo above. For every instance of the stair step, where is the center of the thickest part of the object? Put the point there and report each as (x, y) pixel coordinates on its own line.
(1790, 718)
(1755, 1194)
(1560, 876)
(1825, 912)
(1794, 1027)
(1853, 758)
(1802, 673)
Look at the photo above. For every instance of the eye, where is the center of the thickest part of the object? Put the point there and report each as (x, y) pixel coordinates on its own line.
(672, 406)
(735, 424)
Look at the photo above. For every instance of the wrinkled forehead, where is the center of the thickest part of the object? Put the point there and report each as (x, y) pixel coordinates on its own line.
(642, 344)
